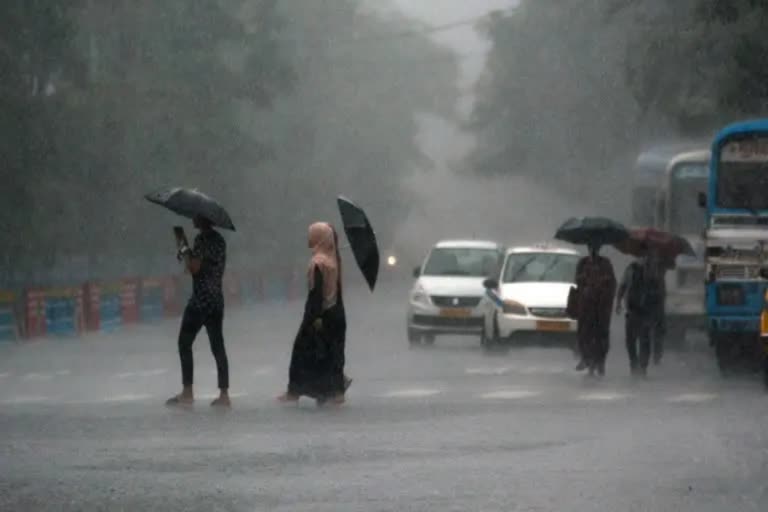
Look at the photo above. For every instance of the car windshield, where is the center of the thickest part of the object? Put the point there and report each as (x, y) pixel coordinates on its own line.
(743, 174)
(462, 262)
(540, 267)
(687, 181)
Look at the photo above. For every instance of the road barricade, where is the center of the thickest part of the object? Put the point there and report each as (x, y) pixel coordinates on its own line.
(129, 301)
(171, 297)
(63, 311)
(152, 300)
(9, 327)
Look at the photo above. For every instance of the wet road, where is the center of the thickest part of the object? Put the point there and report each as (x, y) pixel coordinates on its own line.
(82, 427)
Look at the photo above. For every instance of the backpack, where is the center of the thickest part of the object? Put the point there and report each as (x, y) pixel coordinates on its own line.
(645, 293)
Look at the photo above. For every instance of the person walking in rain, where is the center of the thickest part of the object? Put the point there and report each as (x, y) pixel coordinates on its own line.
(206, 262)
(642, 288)
(317, 359)
(596, 285)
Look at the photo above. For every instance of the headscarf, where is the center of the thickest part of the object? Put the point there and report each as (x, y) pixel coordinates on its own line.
(325, 257)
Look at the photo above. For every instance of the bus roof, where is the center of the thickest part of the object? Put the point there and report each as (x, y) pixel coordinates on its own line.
(699, 156)
(741, 127)
(653, 162)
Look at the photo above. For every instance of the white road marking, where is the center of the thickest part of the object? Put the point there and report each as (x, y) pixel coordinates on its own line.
(262, 371)
(692, 398)
(145, 373)
(37, 376)
(510, 394)
(411, 393)
(4, 375)
(128, 397)
(26, 400)
(605, 396)
(487, 371)
(542, 370)
(63, 373)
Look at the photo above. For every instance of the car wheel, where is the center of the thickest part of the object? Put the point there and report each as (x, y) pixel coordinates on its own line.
(494, 344)
(414, 338)
(429, 339)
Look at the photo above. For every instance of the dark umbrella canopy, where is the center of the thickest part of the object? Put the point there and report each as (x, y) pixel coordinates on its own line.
(592, 231)
(192, 203)
(362, 239)
(668, 245)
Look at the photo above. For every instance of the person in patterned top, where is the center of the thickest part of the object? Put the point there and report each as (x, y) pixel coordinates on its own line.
(206, 262)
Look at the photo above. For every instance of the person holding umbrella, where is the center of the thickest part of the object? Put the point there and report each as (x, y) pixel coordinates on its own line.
(317, 359)
(205, 261)
(595, 287)
(596, 283)
(643, 288)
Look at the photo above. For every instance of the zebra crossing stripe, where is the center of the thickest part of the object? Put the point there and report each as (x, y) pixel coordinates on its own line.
(605, 396)
(487, 371)
(692, 398)
(26, 400)
(411, 393)
(509, 394)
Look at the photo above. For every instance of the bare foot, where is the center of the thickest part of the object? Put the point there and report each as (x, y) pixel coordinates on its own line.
(182, 399)
(222, 401)
(287, 398)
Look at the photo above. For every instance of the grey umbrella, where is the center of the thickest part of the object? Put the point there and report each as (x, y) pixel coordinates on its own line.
(191, 203)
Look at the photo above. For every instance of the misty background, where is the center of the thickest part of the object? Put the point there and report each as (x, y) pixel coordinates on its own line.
(443, 118)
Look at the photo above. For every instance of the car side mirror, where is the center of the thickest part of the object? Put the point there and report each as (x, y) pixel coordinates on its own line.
(417, 272)
(702, 198)
(491, 284)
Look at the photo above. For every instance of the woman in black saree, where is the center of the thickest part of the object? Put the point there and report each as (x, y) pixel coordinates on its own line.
(317, 360)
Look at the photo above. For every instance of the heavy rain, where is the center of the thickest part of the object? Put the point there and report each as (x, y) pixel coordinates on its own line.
(383, 255)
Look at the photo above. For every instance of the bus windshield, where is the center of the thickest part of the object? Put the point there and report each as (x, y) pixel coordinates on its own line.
(742, 174)
(687, 180)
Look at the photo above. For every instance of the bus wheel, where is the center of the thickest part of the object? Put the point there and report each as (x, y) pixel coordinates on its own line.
(765, 372)
(724, 354)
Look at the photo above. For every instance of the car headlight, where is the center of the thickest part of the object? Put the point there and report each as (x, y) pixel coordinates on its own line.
(419, 296)
(511, 307)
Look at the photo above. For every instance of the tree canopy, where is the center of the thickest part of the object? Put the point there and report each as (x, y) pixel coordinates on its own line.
(272, 107)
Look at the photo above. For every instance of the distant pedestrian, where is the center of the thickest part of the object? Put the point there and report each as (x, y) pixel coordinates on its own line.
(643, 290)
(206, 262)
(596, 285)
(317, 359)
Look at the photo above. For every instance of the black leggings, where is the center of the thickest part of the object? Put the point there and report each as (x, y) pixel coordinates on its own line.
(191, 323)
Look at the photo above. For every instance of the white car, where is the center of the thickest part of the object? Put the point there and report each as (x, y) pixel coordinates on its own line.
(529, 298)
(445, 299)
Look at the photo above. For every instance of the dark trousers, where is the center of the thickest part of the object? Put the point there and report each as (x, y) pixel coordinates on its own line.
(659, 332)
(638, 330)
(191, 323)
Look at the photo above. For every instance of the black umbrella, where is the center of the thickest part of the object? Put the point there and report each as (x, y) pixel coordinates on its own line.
(362, 239)
(592, 231)
(191, 203)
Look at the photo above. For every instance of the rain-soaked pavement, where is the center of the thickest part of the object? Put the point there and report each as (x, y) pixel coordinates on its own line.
(82, 427)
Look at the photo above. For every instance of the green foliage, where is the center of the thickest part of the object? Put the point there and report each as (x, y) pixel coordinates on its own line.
(572, 92)
(271, 107)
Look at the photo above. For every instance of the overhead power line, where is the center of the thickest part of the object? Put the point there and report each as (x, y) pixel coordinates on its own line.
(426, 31)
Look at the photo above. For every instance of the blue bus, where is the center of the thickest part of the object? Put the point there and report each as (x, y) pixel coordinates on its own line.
(735, 239)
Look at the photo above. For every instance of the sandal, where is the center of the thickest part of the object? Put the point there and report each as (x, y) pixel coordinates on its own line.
(179, 400)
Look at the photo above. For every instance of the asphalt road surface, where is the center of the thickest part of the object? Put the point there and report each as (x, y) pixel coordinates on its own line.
(446, 428)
